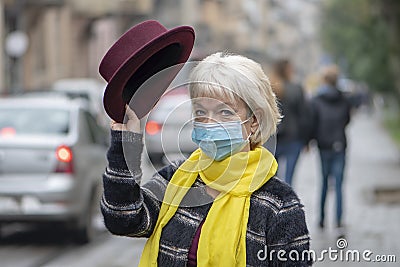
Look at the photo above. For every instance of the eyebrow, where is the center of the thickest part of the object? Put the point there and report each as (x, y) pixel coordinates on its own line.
(229, 104)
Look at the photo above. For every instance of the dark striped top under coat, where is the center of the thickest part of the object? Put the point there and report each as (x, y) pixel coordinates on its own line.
(276, 218)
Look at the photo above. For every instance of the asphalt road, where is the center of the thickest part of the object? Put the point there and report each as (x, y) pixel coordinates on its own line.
(48, 246)
(51, 246)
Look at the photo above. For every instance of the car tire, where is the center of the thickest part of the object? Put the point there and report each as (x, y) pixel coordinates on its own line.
(87, 230)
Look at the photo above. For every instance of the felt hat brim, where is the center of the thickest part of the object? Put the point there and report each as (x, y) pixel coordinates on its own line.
(166, 50)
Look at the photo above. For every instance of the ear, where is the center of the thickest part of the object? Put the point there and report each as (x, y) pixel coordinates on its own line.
(255, 121)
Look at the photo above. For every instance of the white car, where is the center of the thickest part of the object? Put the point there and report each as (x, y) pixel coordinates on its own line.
(168, 128)
(90, 90)
(52, 156)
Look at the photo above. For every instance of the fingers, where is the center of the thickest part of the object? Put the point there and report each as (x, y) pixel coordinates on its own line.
(116, 126)
(133, 123)
(130, 113)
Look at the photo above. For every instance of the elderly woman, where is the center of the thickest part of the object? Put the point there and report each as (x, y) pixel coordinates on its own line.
(223, 206)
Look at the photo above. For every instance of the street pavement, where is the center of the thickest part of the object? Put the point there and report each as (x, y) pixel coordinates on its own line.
(373, 163)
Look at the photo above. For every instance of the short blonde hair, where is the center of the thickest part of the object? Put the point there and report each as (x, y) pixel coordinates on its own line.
(244, 79)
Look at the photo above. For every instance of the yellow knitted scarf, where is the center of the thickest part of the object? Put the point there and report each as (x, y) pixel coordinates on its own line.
(223, 236)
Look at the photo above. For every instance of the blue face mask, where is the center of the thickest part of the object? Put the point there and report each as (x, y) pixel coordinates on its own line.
(219, 140)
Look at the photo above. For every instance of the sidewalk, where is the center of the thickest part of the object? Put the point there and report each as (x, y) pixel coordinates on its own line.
(373, 161)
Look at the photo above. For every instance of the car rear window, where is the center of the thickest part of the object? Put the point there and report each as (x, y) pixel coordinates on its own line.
(38, 121)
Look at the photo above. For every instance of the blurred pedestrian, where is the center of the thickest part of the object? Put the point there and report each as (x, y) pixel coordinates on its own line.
(223, 206)
(331, 111)
(294, 129)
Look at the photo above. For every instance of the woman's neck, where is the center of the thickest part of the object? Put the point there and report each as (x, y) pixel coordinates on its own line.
(212, 192)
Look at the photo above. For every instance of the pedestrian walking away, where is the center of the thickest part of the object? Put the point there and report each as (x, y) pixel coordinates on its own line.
(293, 131)
(331, 111)
(223, 205)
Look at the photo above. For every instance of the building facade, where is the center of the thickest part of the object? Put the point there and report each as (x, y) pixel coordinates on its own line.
(67, 38)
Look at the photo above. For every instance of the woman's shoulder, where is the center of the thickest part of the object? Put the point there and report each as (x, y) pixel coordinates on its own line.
(168, 171)
(278, 194)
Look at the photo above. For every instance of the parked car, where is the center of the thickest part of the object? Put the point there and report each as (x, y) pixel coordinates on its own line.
(88, 89)
(52, 156)
(168, 128)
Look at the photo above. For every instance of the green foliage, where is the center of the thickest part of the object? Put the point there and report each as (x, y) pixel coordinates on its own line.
(356, 35)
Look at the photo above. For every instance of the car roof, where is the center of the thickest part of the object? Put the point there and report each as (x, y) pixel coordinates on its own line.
(42, 101)
(83, 85)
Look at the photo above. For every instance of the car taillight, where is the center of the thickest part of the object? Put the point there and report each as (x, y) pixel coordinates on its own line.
(64, 158)
(153, 127)
(7, 132)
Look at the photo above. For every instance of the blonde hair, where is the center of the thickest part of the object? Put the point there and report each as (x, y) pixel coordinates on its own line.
(245, 80)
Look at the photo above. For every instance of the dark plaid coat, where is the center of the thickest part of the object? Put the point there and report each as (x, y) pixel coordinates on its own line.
(276, 218)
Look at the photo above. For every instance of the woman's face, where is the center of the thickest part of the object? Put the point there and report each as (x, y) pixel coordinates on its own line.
(217, 109)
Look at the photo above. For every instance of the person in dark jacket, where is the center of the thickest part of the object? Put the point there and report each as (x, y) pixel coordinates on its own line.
(223, 206)
(331, 111)
(292, 130)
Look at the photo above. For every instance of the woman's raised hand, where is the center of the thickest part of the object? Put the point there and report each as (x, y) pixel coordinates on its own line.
(133, 123)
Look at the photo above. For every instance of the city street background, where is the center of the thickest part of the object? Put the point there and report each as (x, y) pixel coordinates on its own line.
(53, 49)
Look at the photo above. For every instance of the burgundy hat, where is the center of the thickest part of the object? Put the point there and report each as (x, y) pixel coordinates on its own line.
(141, 52)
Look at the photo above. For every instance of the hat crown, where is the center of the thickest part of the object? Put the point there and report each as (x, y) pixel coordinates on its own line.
(141, 52)
(129, 43)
